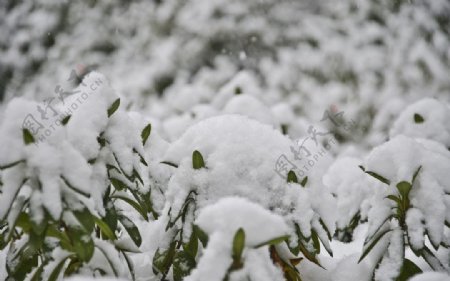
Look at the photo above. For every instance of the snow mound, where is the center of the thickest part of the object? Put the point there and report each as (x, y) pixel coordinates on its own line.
(221, 221)
(399, 160)
(426, 118)
(240, 155)
(230, 214)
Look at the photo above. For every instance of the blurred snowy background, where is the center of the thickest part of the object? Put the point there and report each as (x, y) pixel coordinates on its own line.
(172, 59)
(382, 65)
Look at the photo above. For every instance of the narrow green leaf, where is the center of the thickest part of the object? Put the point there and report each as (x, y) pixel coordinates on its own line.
(111, 217)
(113, 107)
(105, 229)
(372, 234)
(111, 264)
(11, 164)
(329, 234)
(304, 181)
(409, 269)
(65, 120)
(183, 263)
(77, 190)
(37, 276)
(416, 173)
(133, 204)
(431, 259)
(163, 261)
(146, 133)
(57, 270)
(273, 241)
(132, 229)
(118, 184)
(197, 160)
(85, 218)
(316, 242)
(378, 177)
(292, 177)
(169, 163)
(202, 236)
(192, 246)
(27, 136)
(418, 118)
(238, 244)
(130, 266)
(372, 244)
(394, 198)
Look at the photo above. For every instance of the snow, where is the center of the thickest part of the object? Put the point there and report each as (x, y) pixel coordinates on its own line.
(431, 276)
(221, 221)
(230, 214)
(398, 159)
(435, 125)
(245, 83)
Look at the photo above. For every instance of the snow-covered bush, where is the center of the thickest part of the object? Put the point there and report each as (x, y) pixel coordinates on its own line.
(218, 187)
(415, 208)
(59, 187)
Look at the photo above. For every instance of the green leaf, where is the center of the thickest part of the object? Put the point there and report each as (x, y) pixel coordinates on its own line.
(163, 261)
(329, 234)
(169, 163)
(315, 240)
(394, 198)
(57, 270)
(146, 133)
(65, 120)
(409, 269)
(431, 259)
(238, 244)
(202, 236)
(197, 160)
(85, 218)
(416, 173)
(372, 244)
(133, 204)
(130, 266)
(378, 177)
(118, 184)
(35, 241)
(192, 246)
(304, 181)
(418, 118)
(82, 243)
(105, 229)
(372, 234)
(111, 217)
(132, 229)
(113, 107)
(21, 262)
(11, 164)
(77, 190)
(37, 276)
(27, 136)
(110, 262)
(183, 263)
(292, 177)
(273, 241)
(403, 188)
